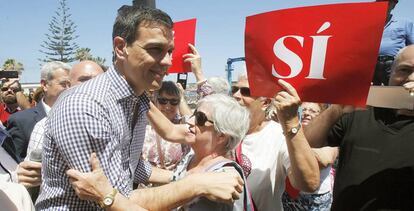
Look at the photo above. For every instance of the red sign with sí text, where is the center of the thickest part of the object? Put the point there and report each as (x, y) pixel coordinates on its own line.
(184, 33)
(328, 52)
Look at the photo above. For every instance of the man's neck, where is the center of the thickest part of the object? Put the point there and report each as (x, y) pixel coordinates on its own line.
(48, 101)
(118, 67)
(12, 107)
(200, 163)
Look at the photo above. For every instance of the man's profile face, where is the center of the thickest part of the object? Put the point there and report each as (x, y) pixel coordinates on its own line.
(148, 57)
(403, 71)
(57, 85)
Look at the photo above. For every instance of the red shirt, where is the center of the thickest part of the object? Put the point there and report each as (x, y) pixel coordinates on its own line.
(5, 113)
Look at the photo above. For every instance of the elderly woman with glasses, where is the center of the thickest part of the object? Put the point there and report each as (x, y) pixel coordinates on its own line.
(218, 124)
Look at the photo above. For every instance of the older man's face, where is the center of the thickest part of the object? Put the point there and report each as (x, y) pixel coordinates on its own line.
(403, 71)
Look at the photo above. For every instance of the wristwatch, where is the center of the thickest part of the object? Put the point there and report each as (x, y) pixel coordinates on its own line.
(108, 199)
(293, 131)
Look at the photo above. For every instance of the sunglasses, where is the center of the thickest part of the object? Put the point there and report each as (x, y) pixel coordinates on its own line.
(164, 101)
(201, 118)
(245, 91)
(5, 89)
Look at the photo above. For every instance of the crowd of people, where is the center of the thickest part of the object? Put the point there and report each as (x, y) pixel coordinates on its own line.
(124, 139)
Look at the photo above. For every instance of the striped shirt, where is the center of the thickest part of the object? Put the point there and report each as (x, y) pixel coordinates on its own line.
(96, 116)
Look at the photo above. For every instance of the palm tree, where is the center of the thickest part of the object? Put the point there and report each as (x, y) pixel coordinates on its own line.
(83, 54)
(12, 64)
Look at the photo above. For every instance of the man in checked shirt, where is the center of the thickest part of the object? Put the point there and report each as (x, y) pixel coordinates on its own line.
(107, 115)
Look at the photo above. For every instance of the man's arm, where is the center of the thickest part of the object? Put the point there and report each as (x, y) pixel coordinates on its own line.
(20, 141)
(317, 130)
(22, 100)
(94, 186)
(166, 129)
(304, 171)
(326, 155)
(160, 176)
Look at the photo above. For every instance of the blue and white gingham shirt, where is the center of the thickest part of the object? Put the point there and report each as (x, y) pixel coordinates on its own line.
(93, 117)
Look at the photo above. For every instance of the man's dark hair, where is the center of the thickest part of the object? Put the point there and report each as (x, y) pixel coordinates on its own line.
(130, 17)
(169, 88)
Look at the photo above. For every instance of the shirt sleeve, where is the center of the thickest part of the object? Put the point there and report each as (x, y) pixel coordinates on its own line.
(410, 33)
(284, 156)
(337, 132)
(142, 172)
(36, 138)
(79, 126)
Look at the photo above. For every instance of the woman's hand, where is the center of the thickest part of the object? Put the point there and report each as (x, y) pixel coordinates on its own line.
(287, 103)
(93, 186)
(194, 59)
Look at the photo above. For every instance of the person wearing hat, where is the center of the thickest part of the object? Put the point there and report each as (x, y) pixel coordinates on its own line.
(397, 34)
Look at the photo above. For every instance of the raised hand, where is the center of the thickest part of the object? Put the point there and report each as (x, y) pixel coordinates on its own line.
(287, 103)
(194, 59)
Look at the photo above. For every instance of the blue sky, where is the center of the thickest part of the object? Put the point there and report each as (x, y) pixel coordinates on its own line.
(219, 35)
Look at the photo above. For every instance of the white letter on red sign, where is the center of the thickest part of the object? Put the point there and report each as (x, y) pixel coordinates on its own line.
(288, 56)
(320, 44)
(317, 65)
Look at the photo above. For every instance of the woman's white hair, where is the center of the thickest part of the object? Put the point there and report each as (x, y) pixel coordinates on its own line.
(219, 85)
(229, 117)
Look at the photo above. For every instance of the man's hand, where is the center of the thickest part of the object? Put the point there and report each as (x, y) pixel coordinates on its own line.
(325, 156)
(220, 187)
(29, 173)
(194, 59)
(91, 185)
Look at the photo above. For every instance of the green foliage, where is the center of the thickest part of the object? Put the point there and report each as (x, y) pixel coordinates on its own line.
(85, 54)
(12, 64)
(59, 44)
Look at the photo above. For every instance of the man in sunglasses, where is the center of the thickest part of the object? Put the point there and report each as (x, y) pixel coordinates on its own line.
(13, 100)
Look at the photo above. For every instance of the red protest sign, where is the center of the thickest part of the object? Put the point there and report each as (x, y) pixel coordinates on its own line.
(184, 33)
(328, 52)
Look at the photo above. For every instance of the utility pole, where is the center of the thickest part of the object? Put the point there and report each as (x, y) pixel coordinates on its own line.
(145, 3)
(230, 68)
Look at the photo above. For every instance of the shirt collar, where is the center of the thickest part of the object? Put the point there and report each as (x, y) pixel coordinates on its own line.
(122, 89)
(46, 107)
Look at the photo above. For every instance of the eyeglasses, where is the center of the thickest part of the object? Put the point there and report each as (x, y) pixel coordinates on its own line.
(200, 118)
(245, 91)
(310, 111)
(164, 101)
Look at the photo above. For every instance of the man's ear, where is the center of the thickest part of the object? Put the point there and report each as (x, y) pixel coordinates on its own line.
(120, 48)
(265, 103)
(43, 84)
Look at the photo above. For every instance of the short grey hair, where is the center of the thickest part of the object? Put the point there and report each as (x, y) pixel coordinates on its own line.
(219, 85)
(49, 69)
(229, 117)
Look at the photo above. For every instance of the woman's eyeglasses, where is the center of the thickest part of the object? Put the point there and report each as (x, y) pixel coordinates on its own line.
(201, 118)
(164, 101)
(245, 91)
